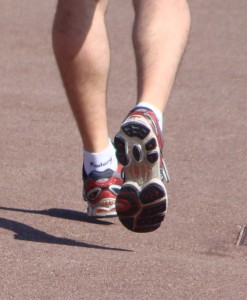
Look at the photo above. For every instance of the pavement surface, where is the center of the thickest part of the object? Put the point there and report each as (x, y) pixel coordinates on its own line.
(49, 248)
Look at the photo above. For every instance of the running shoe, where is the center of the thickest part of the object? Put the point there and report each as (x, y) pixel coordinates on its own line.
(142, 201)
(100, 191)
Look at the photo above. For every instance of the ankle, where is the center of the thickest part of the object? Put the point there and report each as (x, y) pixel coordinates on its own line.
(157, 112)
(100, 161)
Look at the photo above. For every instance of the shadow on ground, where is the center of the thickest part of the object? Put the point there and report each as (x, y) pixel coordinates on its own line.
(27, 233)
(61, 213)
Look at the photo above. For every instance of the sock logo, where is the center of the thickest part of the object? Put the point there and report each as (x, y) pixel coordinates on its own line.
(101, 164)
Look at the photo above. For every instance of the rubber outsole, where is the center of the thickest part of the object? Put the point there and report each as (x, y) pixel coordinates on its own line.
(142, 211)
(142, 201)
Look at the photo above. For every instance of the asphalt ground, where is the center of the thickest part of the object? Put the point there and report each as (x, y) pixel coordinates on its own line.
(49, 248)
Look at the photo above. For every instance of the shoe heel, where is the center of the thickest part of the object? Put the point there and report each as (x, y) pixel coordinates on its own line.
(142, 211)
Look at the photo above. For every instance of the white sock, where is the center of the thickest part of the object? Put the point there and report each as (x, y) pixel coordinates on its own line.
(157, 112)
(101, 161)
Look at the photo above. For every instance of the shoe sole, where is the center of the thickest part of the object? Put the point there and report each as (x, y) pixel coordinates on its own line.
(142, 201)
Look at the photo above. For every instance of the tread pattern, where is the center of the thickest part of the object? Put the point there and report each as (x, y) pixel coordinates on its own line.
(136, 130)
(140, 208)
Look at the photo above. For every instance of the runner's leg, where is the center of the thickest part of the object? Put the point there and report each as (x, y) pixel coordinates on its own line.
(159, 36)
(81, 48)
